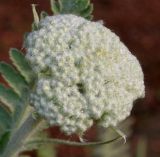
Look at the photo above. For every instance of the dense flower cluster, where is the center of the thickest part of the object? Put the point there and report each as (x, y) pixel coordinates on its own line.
(85, 74)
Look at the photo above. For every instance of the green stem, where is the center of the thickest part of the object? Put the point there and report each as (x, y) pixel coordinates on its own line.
(16, 143)
(70, 143)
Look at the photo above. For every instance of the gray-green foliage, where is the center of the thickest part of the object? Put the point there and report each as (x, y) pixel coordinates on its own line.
(21, 64)
(83, 8)
(14, 100)
(6, 117)
(17, 123)
(78, 7)
(13, 78)
(4, 140)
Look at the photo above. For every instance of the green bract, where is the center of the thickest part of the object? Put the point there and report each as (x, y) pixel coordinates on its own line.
(81, 8)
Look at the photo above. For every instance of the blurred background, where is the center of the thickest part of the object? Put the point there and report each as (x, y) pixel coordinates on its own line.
(137, 22)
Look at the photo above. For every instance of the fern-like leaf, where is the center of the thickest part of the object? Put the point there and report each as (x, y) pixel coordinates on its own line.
(87, 12)
(21, 64)
(55, 7)
(9, 97)
(16, 104)
(5, 118)
(13, 78)
(78, 7)
(4, 140)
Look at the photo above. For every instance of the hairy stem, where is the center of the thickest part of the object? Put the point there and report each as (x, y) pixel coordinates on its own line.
(16, 143)
(71, 143)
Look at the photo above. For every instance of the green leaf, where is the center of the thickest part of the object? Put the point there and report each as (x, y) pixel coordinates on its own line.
(78, 7)
(73, 6)
(17, 105)
(14, 79)
(43, 14)
(4, 140)
(9, 97)
(55, 7)
(1, 130)
(5, 118)
(22, 65)
(87, 12)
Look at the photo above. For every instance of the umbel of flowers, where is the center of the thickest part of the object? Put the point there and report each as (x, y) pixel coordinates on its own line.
(85, 73)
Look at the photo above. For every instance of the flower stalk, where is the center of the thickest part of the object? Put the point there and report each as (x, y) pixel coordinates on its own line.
(17, 140)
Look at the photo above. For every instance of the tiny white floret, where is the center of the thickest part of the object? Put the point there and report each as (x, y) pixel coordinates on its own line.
(85, 74)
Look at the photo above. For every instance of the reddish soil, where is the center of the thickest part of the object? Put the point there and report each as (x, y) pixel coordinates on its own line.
(138, 25)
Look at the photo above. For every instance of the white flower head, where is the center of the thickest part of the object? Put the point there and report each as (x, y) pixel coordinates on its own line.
(85, 73)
